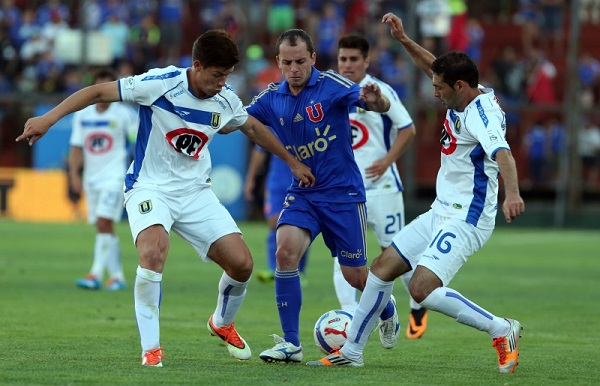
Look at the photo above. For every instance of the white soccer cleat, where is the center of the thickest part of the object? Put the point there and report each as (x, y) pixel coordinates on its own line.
(388, 329)
(283, 351)
(336, 358)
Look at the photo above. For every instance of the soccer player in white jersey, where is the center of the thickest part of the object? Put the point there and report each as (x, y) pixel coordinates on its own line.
(167, 186)
(378, 140)
(99, 145)
(462, 217)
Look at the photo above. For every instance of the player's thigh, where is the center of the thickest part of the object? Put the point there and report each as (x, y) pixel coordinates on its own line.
(110, 204)
(292, 244)
(147, 207)
(453, 242)
(204, 220)
(414, 238)
(231, 253)
(344, 228)
(385, 214)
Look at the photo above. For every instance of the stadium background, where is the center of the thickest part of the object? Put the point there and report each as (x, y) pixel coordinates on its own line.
(50, 48)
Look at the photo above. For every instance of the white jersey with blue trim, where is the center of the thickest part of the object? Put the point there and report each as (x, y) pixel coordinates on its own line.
(175, 128)
(102, 135)
(374, 133)
(467, 182)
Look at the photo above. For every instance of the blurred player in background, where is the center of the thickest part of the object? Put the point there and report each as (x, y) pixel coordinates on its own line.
(462, 218)
(278, 179)
(378, 140)
(309, 113)
(99, 146)
(167, 187)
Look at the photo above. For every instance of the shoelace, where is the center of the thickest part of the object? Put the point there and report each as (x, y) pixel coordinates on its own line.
(231, 336)
(499, 345)
(155, 356)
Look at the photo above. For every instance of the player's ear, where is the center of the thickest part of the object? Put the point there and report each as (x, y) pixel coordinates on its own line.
(459, 85)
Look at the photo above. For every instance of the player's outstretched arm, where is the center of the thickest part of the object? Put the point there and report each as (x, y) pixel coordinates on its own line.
(36, 127)
(262, 136)
(422, 58)
(513, 203)
(374, 100)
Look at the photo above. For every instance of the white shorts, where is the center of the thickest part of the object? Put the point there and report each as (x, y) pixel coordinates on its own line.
(198, 217)
(104, 203)
(441, 244)
(385, 215)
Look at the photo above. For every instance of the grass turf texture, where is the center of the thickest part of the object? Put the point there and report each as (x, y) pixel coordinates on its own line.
(54, 333)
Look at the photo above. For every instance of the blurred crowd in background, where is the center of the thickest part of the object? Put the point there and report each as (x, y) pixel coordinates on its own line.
(526, 69)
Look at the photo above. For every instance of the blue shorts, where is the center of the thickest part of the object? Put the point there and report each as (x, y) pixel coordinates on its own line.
(343, 225)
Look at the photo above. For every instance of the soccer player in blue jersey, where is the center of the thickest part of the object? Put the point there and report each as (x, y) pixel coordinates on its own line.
(167, 186)
(309, 113)
(277, 181)
(436, 244)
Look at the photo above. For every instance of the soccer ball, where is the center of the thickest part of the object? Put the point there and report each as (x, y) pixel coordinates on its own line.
(331, 330)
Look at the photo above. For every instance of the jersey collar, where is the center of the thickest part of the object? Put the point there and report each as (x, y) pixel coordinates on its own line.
(314, 77)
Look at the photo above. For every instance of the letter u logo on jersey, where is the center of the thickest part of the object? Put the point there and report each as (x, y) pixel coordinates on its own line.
(310, 110)
(145, 206)
(215, 120)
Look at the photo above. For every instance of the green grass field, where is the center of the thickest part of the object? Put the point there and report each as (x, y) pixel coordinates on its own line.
(53, 333)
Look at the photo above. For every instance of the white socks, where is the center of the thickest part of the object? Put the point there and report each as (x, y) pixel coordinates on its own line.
(101, 251)
(229, 301)
(107, 256)
(147, 293)
(450, 302)
(373, 300)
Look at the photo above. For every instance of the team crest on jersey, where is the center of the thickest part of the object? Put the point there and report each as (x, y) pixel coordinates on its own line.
(145, 206)
(315, 113)
(187, 141)
(457, 206)
(98, 143)
(457, 125)
(215, 120)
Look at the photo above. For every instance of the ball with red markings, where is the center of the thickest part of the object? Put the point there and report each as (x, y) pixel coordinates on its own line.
(331, 330)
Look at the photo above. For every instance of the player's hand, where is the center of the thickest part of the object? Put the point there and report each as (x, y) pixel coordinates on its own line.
(395, 23)
(304, 175)
(376, 170)
(34, 129)
(370, 92)
(512, 207)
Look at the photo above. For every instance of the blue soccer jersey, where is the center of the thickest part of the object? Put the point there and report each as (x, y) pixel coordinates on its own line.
(315, 128)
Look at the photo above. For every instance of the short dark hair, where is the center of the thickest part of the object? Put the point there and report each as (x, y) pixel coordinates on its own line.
(104, 73)
(292, 36)
(456, 65)
(355, 42)
(215, 48)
